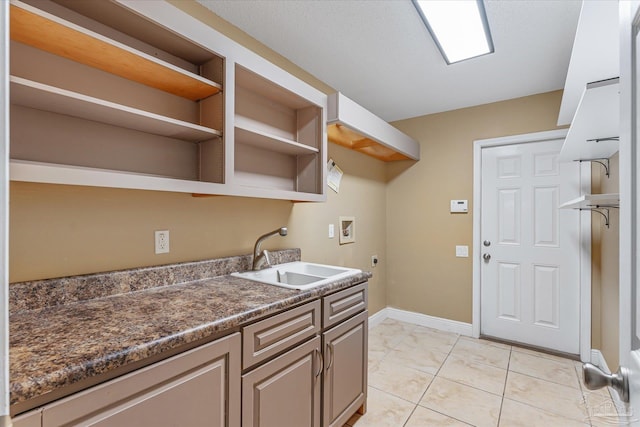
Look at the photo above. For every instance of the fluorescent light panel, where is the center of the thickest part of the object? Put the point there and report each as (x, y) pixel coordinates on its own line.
(459, 27)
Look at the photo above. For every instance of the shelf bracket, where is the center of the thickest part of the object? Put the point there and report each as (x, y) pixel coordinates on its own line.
(603, 162)
(602, 210)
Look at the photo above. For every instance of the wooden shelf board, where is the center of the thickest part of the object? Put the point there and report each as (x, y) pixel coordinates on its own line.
(257, 138)
(590, 201)
(342, 135)
(47, 32)
(50, 173)
(48, 98)
(598, 116)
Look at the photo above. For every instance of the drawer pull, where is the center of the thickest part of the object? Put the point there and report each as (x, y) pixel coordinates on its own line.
(330, 351)
(320, 362)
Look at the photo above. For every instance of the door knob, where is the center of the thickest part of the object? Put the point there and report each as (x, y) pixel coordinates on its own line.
(486, 257)
(486, 243)
(595, 378)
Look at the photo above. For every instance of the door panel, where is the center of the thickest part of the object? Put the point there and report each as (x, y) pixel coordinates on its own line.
(530, 290)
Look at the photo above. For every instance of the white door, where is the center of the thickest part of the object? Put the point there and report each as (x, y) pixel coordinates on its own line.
(530, 265)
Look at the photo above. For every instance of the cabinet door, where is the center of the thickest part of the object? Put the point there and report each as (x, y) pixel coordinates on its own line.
(345, 374)
(285, 391)
(200, 387)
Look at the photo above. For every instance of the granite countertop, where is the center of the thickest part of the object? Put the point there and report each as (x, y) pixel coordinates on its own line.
(60, 344)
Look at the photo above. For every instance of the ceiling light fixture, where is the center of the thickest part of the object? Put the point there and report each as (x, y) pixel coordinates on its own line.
(459, 27)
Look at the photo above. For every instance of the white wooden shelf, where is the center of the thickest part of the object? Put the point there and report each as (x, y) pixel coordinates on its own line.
(356, 128)
(266, 141)
(44, 31)
(28, 171)
(593, 201)
(596, 126)
(48, 98)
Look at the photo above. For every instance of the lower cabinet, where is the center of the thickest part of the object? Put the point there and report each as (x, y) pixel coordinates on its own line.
(197, 388)
(285, 391)
(303, 367)
(345, 373)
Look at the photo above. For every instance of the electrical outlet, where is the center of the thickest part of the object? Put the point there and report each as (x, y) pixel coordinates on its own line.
(162, 242)
(374, 260)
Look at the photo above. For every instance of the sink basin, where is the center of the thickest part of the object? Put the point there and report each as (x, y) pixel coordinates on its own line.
(298, 275)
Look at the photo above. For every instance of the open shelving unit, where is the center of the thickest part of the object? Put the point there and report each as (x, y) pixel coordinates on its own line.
(278, 136)
(130, 95)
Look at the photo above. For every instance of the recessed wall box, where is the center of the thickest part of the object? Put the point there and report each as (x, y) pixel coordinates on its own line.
(458, 206)
(347, 230)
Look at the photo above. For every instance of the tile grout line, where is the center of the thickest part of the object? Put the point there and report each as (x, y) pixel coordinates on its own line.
(504, 388)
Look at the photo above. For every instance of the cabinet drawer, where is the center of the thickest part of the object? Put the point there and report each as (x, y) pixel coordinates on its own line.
(344, 304)
(269, 337)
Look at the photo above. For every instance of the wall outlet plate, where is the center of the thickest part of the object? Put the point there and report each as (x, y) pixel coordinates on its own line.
(374, 260)
(162, 242)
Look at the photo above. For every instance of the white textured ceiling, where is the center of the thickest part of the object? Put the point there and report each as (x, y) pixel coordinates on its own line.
(378, 52)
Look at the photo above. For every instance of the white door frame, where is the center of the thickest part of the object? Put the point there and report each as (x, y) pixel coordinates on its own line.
(585, 232)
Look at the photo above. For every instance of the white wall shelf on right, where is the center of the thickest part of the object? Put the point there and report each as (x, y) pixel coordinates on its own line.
(595, 127)
(593, 201)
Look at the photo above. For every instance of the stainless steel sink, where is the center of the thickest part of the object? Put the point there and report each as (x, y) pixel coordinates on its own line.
(298, 275)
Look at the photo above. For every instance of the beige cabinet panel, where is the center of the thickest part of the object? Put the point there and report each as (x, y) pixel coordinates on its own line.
(271, 336)
(344, 304)
(285, 391)
(30, 419)
(345, 375)
(200, 387)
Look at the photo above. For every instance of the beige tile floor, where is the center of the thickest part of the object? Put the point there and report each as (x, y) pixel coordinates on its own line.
(421, 377)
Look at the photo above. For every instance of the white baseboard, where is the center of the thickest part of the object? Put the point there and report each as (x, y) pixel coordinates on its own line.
(377, 318)
(422, 320)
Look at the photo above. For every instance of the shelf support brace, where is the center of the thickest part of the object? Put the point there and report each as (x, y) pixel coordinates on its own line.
(602, 210)
(603, 162)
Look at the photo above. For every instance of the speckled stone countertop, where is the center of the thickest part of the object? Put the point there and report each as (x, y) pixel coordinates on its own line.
(65, 337)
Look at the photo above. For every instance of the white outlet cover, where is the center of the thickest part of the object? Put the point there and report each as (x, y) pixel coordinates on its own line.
(162, 241)
(332, 231)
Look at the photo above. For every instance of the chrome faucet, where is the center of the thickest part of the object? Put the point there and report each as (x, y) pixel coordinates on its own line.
(261, 258)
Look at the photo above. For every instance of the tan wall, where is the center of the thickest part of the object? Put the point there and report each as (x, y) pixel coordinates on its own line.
(605, 269)
(423, 273)
(67, 230)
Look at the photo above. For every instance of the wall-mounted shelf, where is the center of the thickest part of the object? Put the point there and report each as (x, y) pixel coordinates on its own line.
(595, 128)
(48, 98)
(47, 32)
(264, 140)
(600, 203)
(129, 95)
(355, 128)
